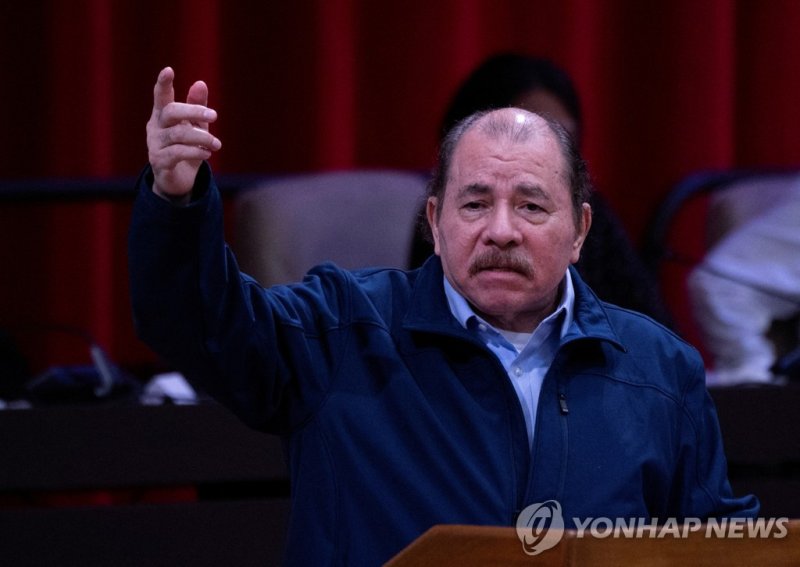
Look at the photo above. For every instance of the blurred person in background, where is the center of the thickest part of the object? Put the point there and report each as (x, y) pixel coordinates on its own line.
(747, 282)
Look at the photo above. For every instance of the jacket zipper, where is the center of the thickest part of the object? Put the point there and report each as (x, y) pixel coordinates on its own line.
(562, 404)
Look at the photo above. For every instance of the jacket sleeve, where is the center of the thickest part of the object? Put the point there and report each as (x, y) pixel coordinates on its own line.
(701, 488)
(263, 353)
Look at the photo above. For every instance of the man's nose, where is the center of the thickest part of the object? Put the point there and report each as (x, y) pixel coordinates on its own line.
(501, 228)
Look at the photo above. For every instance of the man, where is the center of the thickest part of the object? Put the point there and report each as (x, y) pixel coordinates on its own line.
(486, 381)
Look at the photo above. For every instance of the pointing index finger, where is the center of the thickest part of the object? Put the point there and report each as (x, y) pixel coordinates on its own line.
(164, 91)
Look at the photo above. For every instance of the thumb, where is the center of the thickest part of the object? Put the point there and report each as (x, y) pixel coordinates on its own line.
(164, 91)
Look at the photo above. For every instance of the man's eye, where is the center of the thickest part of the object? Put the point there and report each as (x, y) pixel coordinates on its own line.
(532, 207)
(473, 206)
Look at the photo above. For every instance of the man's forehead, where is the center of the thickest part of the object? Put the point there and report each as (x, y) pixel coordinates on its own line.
(481, 159)
(514, 126)
(539, 146)
(511, 114)
(511, 119)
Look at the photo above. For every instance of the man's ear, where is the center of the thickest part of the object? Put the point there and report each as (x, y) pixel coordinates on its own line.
(581, 232)
(431, 211)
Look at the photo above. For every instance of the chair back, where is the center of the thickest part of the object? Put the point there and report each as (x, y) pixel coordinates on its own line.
(356, 219)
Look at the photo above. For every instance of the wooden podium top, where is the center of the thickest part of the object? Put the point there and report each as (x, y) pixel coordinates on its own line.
(476, 546)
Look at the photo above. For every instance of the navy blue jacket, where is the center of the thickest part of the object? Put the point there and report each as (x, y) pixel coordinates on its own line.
(395, 418)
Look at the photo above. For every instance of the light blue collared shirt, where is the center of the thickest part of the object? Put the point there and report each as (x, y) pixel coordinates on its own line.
(527, 364)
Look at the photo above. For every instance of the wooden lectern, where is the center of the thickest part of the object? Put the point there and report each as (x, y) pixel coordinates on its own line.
(476, 546)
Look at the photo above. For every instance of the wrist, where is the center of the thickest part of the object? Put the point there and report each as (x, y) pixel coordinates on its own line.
(182, 200)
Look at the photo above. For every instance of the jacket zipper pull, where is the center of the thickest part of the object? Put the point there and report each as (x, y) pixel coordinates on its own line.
(562, 403)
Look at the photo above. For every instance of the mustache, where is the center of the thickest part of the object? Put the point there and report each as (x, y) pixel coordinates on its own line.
(498, 260)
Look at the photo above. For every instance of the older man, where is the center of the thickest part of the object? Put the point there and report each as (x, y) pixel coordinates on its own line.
(486, 381)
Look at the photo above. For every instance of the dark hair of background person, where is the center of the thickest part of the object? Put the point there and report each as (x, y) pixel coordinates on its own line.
(501, 80)
(609, 263)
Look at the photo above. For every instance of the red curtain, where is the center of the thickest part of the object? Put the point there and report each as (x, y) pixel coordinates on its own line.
(668, 87)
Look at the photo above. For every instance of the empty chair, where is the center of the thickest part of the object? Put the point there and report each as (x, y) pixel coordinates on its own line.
(356, 219)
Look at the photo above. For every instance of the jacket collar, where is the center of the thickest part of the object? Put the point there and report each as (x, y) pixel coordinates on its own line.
(590, 320)
(429, 311)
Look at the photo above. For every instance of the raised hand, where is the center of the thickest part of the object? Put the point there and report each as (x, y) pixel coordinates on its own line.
(178, 139)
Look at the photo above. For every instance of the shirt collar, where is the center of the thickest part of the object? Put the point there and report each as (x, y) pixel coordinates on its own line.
(463, 312)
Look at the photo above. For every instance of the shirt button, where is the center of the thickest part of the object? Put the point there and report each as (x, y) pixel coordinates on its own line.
(482, 327)
(517, 371)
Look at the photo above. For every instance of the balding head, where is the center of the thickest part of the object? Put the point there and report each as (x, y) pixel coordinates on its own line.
(513, 124)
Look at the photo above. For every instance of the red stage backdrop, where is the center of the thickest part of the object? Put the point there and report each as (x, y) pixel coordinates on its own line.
(668, 87)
